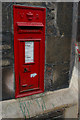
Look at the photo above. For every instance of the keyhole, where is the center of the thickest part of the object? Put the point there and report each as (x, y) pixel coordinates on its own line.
(25, 69)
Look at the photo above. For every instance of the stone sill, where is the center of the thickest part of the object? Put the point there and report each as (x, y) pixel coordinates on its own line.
(36, 105)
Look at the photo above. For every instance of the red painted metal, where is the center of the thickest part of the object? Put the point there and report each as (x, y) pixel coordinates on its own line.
(78, 51)
(37, 24)
(29, 26)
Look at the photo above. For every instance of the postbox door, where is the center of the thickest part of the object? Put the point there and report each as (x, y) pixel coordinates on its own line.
(29, 65)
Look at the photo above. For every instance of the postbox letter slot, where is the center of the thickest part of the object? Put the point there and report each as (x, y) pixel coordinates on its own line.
(24, 27)
(37, 24)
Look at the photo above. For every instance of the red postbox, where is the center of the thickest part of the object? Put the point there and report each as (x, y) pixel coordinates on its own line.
(29, 49)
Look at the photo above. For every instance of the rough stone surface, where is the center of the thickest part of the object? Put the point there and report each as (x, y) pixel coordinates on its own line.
(71, 112)
(58, 45)
(35, 105)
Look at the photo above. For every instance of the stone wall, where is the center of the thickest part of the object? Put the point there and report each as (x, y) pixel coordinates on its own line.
(58, 46)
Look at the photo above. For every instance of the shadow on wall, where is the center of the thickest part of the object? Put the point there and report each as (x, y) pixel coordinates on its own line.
(8, 90)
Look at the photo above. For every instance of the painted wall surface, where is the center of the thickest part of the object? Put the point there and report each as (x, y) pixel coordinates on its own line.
(58, 46)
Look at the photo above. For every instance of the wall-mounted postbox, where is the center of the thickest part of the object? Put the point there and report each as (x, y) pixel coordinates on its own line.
(29, 49)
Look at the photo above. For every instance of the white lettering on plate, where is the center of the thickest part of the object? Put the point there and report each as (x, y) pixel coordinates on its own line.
(33, 75)
(29, 52)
